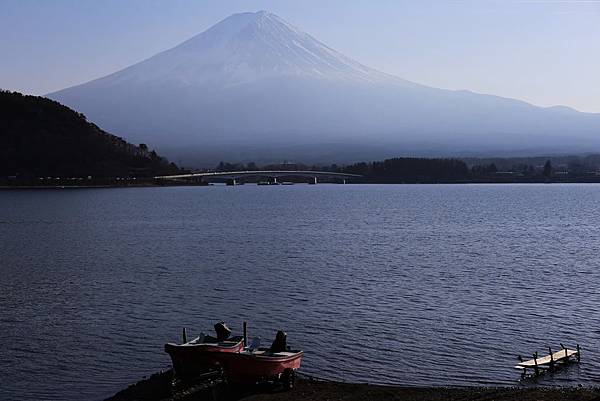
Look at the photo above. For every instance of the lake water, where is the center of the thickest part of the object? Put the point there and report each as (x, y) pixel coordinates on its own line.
(403, 284)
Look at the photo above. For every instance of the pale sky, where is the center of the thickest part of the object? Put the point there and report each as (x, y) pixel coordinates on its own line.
(544, 52)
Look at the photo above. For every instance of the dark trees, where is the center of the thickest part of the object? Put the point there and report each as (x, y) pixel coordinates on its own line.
(548, 169)
(40, 137)
(411, 170)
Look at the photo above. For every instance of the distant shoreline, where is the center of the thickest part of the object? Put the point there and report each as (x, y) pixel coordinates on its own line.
(56, 187)
(6, 187)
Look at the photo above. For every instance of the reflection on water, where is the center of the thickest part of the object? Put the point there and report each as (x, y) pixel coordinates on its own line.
(415, 284)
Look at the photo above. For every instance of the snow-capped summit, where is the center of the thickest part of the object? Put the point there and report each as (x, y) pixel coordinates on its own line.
(255, 81)
(247, 47)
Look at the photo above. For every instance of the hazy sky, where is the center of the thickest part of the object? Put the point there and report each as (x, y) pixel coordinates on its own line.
(544, 52)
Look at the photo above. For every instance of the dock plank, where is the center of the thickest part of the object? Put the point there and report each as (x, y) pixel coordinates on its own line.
(545, 360)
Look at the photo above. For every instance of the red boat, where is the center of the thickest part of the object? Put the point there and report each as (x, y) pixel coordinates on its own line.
(254, 365)
(200, 354)
(240, 364)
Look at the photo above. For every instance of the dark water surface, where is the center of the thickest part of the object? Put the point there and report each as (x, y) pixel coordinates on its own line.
(405, 284)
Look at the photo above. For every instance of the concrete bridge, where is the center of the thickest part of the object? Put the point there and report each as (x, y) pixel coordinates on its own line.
(232, 177)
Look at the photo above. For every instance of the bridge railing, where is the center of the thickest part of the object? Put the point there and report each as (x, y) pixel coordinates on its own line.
(260, 173)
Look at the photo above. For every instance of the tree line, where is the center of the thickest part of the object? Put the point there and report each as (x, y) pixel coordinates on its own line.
(444, 170)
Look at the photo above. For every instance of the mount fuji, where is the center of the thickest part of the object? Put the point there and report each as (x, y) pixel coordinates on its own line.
(254, 87)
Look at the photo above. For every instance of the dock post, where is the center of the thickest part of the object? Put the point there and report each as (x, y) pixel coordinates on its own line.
(537, 371)
(566, 354)
(184, 335)
(524, 368)
(551, 358)
(245, 334)
(578, 353)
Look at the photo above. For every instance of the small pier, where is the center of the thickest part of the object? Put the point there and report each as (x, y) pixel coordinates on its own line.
(549, 362)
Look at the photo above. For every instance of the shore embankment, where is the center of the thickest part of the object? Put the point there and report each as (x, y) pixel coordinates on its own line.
(158, 387)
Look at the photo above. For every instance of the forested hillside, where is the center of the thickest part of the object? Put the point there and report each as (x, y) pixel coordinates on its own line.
(40, 137)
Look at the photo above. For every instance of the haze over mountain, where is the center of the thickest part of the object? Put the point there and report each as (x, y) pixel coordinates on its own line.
(254, 87)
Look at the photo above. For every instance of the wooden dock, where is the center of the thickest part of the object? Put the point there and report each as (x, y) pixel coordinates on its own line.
(550, 361)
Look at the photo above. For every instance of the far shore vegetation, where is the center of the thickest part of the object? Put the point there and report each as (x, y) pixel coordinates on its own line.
(410, 170)
(403, 170)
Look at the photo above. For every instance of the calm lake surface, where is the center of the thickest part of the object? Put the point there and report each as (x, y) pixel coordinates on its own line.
(404, 284)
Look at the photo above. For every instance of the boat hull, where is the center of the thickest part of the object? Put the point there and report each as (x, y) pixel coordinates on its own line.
(192, 359)
(247, 367)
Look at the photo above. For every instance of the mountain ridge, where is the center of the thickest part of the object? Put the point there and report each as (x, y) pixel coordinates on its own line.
(253, 78)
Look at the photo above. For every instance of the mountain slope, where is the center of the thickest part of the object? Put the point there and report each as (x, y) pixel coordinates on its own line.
(253, 83)
(244, 48)
(40, 137)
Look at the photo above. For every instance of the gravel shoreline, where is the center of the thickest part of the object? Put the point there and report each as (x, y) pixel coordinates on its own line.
(158, 387)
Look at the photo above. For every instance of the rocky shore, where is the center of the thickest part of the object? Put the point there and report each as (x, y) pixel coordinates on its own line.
(158, 387)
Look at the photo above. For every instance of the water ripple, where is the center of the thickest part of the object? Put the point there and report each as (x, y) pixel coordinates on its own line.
(384, 284)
